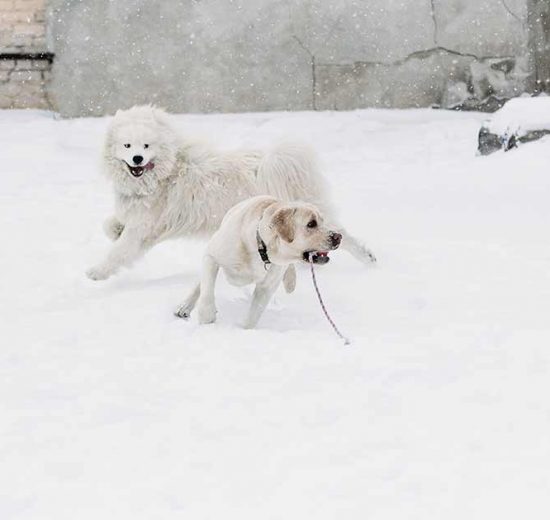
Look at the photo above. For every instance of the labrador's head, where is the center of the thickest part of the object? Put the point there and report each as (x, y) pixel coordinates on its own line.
(303, 234)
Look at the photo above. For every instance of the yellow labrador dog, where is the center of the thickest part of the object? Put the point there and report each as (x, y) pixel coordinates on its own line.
(257, 242)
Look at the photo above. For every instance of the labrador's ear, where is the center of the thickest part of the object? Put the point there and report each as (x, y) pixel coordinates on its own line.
(283, 223)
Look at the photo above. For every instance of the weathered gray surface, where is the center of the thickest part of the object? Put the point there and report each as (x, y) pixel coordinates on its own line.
(483, 28)
(350, 30)
(202, 56)
(419, 80)
(186, 56)
(538, 24)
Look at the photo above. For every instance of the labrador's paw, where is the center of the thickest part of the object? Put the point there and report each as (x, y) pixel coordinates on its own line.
(98, 273)
(207, 314)
(183, 311)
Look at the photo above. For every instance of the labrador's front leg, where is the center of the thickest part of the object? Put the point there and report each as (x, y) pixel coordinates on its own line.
(207, 303)
(185, 309)
(262, 295)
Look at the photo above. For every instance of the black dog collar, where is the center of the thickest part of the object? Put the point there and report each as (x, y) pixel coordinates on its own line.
(262, 249)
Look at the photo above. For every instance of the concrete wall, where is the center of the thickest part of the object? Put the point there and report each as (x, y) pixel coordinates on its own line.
(24, 68)
(224, 55)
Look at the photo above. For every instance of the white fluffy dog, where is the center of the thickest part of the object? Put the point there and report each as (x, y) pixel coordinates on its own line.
(256, 242)
(167, 186)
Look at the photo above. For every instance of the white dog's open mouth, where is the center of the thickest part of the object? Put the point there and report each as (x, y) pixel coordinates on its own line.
(316, 257)
(137, 171)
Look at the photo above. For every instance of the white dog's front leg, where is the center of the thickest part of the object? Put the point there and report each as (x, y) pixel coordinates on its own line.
(124, 251)
(353, 246)
(185, 309)
(113, 228)
(207, 303)
(262, 295)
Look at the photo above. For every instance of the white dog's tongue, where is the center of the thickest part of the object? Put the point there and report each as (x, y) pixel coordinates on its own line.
(137, 171)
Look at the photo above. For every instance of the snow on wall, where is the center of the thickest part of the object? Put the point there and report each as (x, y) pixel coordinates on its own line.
(285, 55)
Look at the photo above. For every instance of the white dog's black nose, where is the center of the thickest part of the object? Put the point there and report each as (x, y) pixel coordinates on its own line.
(138, 159)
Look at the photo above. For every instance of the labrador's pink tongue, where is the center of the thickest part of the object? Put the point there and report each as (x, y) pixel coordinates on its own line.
(149, 166)
(320, 257)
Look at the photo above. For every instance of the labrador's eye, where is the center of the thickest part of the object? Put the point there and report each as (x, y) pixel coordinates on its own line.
(146, 146)
(127, 145)
(312, 224)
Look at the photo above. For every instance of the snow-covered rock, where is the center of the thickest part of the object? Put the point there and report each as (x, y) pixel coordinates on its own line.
(520, 120)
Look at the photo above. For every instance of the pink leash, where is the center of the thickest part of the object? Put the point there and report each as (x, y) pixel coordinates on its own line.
(346, 340)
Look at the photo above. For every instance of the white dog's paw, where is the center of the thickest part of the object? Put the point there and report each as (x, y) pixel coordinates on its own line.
(98, 273)
(207, 314)
(113, 228)
(369, 257)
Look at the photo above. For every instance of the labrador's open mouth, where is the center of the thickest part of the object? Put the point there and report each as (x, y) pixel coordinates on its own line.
(316, 257)
(137, 171)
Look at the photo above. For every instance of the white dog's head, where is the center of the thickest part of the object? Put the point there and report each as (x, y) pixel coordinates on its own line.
(300, 233)
(140, 148)
(135, 145)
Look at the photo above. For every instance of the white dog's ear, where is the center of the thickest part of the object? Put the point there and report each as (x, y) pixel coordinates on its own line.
(283, 223)
(160, 116)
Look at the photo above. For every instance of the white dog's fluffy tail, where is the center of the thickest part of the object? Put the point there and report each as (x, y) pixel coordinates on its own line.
(290, 172)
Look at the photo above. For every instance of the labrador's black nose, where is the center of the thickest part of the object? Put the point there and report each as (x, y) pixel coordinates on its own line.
(335, 238)
(138, 159)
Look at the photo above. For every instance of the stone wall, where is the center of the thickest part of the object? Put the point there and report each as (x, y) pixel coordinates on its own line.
(234, 55)
(24, 62)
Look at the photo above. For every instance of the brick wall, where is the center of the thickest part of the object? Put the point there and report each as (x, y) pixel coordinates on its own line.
(24, 62)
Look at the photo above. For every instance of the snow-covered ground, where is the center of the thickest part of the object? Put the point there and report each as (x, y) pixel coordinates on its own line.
(111, 408)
